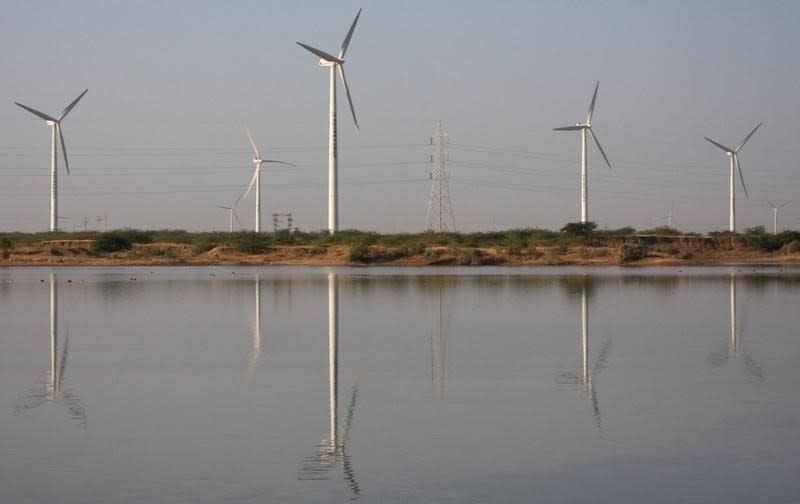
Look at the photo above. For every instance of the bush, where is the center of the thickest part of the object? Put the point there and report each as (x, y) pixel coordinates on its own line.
(582, 229)
(359, 253)
(250, 242)
(629, 253)
(111, 241)
(793, 247)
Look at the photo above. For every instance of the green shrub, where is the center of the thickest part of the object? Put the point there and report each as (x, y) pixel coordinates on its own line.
(582, 229)
(359, 253)
(111, 241)
(629, 253)
(250, 242)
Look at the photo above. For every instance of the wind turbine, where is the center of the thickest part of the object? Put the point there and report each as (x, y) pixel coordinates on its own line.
(586, 128)
(733, 154)
(775, 215)
(232, 214)
(256, 180)
(670, 215)
(55, 124)
(334, 63)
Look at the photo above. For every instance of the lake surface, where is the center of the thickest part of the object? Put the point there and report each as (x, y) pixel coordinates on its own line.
(210, 385)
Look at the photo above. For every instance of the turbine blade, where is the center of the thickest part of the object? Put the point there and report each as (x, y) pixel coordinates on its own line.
(739, 166)
(591, 106)
(346, 42)
(347, 92)
(784, 204)
(276, 161)
(569, 128)
(772, 204)
(37, 113)
(252, 143)
(252, 181)
(63, 146)
(726, 149)
(321, 54)
(71, 105)
(236, 218)
(748, 137)
(225, 207)
(597, 142)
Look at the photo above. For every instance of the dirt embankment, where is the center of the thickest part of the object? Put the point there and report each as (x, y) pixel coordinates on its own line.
(638, 251)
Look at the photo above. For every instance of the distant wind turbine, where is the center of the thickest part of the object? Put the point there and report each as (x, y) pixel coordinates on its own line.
(586, 128)
(775, 209)
(256, 180)
(57, 135)
(670, 215)
(733, 154)
(334, 63)
(232, 214)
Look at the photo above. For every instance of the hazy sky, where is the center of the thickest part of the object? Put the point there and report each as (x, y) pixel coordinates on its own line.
(158, 140)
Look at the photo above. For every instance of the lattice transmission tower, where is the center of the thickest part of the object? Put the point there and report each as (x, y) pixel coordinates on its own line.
(440, 208)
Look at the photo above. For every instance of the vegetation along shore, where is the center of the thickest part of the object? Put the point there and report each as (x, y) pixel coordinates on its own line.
(575, 244)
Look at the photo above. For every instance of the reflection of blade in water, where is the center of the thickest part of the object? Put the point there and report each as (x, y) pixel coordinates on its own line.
(333, 449)
(586, 378)
(329, 453)
(735, 347)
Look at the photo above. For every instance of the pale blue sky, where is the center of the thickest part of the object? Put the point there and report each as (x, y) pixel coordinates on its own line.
(158, 141)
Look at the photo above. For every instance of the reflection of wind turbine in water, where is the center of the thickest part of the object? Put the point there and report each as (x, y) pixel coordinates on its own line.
(333, 449)
(734, 344)
(53, 390)
(256, 353)
(587, 376)
(439, 350)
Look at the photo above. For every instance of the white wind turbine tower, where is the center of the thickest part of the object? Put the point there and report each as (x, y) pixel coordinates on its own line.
(256, 180)
(733, 154)
(57, 135)
(775, 215)
(586, 128)
(334, 63)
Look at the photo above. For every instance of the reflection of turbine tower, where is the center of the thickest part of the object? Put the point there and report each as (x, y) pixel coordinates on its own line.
(256, 353)
(586, 379)
(53, 390)
(333, 449)
(735, 349)
(439, 350)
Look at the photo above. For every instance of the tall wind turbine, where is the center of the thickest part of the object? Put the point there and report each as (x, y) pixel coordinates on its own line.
(775, 209)
(55, 124)
(733, 154)
(586, 128)
(256, 180)
(334, 63)
(670, 215)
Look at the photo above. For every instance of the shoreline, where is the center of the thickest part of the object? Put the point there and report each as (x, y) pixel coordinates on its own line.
(172, 254)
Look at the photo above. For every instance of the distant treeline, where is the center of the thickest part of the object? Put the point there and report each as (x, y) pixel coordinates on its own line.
(572, 234)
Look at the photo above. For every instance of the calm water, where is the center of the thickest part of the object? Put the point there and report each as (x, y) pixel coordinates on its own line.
(399, 385)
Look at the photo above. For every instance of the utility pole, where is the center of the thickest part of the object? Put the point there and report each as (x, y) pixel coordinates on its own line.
(440, 208)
